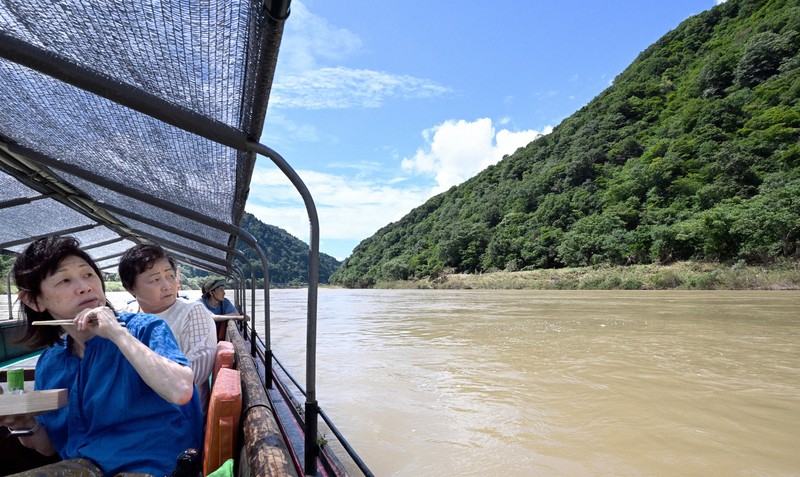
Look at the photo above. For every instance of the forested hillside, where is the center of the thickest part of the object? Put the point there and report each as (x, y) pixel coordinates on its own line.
(287, 255)
(692, 153)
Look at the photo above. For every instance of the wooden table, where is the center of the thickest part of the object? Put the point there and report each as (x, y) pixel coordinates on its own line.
(32, 402)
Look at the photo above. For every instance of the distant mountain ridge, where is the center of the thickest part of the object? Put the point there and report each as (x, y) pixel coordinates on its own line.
(692, 153)
(287, 255)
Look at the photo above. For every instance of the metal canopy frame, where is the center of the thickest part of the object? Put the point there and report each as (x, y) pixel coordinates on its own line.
(49, 179)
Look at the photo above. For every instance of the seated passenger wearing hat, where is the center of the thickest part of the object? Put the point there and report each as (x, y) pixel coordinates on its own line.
(214, 298)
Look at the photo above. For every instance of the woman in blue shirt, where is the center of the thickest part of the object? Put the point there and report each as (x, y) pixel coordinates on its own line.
(132, 405)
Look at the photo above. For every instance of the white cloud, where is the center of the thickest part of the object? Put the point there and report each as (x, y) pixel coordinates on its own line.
(347, 209)
(352, 207)
(721, 1)
(340, 87)
(457, 150)
(299, 132)
(309, 39)
(310, 73)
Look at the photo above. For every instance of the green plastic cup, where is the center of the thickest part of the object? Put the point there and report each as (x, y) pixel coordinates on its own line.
(16, 380)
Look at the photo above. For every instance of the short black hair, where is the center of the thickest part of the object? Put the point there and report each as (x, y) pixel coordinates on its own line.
(38, 261)
(138, 259)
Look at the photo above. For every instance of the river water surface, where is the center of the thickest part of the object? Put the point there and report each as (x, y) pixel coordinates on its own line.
(572, 383)
(544, 383)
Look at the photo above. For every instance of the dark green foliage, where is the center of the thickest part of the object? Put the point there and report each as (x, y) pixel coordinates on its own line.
(287, 256)
(693, 153)
(716, 75)
(6, 260)
(763, 55)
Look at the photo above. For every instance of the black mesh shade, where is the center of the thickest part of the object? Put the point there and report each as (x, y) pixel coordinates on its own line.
(93, 163)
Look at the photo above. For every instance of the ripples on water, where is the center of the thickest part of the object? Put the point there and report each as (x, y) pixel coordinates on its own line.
(484, 383)
(557, 383)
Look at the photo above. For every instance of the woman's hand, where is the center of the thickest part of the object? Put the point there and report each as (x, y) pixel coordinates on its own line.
(172, 381)
(99, 321)
(38, 440)
(18, 421)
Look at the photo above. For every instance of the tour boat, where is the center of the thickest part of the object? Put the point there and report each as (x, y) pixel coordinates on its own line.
(140, 121)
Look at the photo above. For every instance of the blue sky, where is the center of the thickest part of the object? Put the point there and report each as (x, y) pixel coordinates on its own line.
(379, 105)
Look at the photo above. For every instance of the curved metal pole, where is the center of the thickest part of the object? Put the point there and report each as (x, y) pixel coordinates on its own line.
(311, 405)
(250, 240)
(238, 287)
(267, 323)
(242, 289)
(242, 296)
(265, 265)
(8, 292)
(238, 282)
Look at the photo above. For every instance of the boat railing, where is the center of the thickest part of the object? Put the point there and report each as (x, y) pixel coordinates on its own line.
(328, 422)
(265, 450)
(280, 371)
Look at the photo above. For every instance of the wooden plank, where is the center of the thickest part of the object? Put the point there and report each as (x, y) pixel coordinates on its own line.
(59, 323)
(230, 317)
(32, 402)
(265, 451)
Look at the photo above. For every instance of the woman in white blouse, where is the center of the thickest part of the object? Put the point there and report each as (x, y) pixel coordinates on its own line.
(150, 275)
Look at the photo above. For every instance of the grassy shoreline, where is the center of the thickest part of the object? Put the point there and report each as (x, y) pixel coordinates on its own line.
(784, 275)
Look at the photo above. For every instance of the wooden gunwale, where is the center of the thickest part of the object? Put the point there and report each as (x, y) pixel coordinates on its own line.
(264, 451)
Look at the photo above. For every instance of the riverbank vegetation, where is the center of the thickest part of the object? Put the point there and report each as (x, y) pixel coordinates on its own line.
(692, 154)
(783, 275)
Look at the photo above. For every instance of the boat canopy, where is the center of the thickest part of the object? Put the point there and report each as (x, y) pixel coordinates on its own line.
(132, 121)
(126, 121)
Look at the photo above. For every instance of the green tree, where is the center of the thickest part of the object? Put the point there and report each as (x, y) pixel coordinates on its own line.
(763, 56)
(593, 239)
(717, 74)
